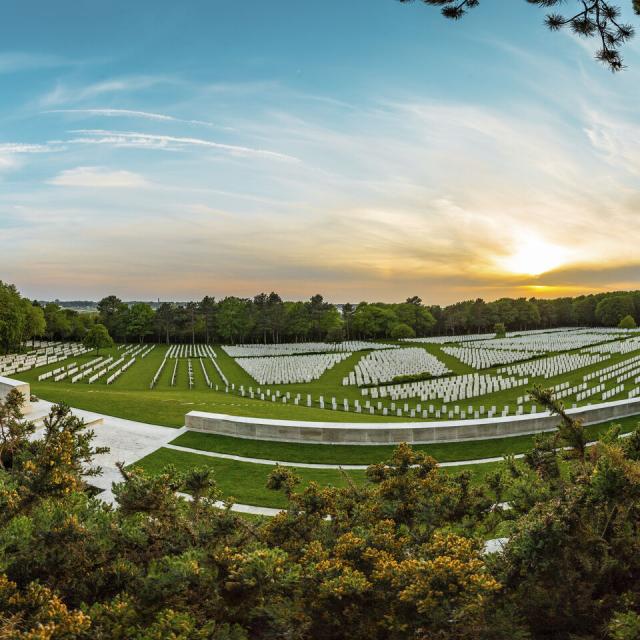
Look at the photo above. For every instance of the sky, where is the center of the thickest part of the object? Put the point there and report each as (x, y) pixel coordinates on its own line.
(362, 149)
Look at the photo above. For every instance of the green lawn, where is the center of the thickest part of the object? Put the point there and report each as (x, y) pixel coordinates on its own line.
(242, 480)
(246, 481)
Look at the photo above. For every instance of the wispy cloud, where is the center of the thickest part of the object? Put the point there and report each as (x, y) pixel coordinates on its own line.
(131, 113)
(99, 178)
(168, 143)
(21, 147)
(65, 94)
(617, 139)
(12, 153)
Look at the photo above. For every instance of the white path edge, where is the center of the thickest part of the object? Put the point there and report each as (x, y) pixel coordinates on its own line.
(318, 465)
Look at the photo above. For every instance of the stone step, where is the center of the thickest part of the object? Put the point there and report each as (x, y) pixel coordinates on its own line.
(38, 421)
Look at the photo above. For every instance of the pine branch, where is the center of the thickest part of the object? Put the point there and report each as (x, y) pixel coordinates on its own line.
(595, 19)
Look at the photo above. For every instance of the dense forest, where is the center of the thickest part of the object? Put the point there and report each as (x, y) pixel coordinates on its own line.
(269, 318)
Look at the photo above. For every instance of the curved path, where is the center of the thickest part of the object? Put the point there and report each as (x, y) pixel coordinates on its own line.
(129, 441)
(313, 465)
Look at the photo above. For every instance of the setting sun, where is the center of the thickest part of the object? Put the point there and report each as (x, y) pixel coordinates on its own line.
(534, 256)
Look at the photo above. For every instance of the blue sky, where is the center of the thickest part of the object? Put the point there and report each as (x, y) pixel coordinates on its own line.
(365, 150)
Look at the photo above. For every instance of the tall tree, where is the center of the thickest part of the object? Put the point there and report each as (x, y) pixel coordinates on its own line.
(612, 309)
(35, 324)
(207, 310)
(164, 320)
(140, 320)
(113, 314)
(192, 314)
(98, 338)
(12, 318)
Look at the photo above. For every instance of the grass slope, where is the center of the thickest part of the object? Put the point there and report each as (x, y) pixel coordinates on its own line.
(130, 396)
(246, 482)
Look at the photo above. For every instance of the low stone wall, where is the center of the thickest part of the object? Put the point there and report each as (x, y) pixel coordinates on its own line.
(373, 433)
(7, 384)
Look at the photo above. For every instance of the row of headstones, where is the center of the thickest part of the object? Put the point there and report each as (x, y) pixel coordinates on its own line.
(191, 351)
(485, 358)
(86, 369)
(613, 392)
(299, 348)
(418, 411)
(73, 370)
(11, 367)
(554, 365)
(563, 341)
(55, 372)
(629, 373)
(290, 369)
(205, 374)
(618, 346)
(158, 373)
(116, 374)
(33, 355)
(174, 374)
(190, 373)
(216, 366)
(587, 393)
(558, 333)
(615, 370)
(454, 388)
(383, 366)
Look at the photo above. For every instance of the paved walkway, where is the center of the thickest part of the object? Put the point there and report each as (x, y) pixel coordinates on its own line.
(128, 442)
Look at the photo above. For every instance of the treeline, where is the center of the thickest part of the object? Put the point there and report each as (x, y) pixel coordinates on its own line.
(268, 318)
(265, 318)
(22, 320)
(478, 316)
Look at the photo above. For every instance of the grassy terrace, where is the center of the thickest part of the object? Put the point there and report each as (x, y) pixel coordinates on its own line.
(130, 396)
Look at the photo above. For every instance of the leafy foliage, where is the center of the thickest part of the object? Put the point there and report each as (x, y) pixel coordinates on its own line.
(98, 338)
(398, 557)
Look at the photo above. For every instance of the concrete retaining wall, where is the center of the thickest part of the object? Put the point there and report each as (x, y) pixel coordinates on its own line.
(7, 384)
(373, 433)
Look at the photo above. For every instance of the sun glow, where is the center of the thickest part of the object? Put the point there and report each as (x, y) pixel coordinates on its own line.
(533, 256)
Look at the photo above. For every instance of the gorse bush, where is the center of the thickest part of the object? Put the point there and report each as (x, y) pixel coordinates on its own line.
(400, 557)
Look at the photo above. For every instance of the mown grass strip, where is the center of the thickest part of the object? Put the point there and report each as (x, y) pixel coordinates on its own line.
(246, 482)
(360, 454)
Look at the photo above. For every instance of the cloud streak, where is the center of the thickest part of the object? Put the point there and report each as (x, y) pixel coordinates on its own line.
(131, 113)
(98, 178)
(168, 143)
